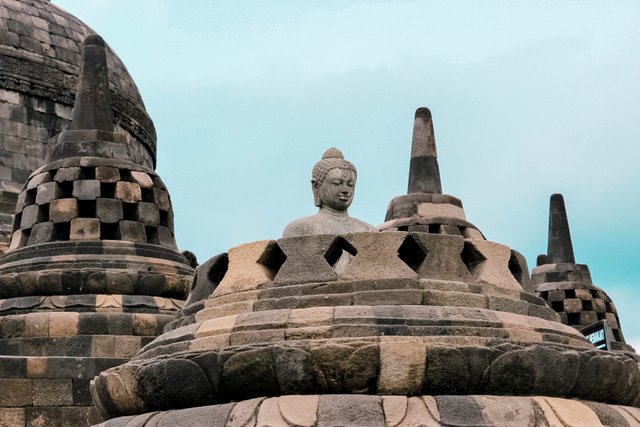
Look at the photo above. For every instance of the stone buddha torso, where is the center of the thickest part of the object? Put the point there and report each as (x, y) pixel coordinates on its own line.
(333, 184)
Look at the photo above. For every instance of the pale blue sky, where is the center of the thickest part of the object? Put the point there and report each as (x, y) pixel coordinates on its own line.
(529, 98)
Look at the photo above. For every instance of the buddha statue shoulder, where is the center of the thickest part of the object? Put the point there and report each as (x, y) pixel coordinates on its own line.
(333, 183)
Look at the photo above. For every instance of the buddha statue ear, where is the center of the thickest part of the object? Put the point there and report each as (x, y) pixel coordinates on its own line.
(316, 195)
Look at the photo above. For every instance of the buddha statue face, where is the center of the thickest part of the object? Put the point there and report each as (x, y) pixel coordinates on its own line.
(335, 191)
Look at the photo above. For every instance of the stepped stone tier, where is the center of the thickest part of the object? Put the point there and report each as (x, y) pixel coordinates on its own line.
(567, 286)
(92, 273)
(424, 207)
(39, 63)
(416, 328)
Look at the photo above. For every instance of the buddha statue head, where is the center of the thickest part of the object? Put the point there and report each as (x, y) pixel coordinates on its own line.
(333, 181)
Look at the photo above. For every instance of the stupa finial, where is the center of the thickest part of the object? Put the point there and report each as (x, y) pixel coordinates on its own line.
(92, 108)
(424, 174)
(560, 249)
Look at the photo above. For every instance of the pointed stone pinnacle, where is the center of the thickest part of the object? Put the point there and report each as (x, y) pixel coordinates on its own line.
(92, 108)
(424, 174)
(560, 249)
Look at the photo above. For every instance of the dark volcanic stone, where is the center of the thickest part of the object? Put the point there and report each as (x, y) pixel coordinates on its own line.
(249, 374)
(350, 411)
(459, 411)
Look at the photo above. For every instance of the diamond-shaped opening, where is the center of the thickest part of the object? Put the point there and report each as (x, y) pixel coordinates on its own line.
(515, 268)
(129, 211)
(471, 257)
(66, 188)
(434, 229)
(272, 259)
(218, 270)
(570, 293)
(587, 305)
(337, 249)
(412, 253)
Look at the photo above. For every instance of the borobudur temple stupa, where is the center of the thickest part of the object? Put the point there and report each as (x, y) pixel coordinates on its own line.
(92, 272)
(421, 321)
(419, 327)
(567, 286)
(39, 64)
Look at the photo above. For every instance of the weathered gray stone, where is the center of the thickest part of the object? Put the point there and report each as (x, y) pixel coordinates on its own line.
(63, 210)
(107, 174)
(48, 192)
(147, 213)
(333, 185)
(349, 410)
(109, 210)
(128, 192)
(86, 189)
(131, 230)
(85, 229)
(306, 260)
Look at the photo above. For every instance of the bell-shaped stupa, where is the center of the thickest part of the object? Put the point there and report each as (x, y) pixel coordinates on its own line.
(567, 286)
(424, 208)
(418, 328)
(92, 273)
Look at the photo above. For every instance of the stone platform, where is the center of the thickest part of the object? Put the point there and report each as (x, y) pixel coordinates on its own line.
(393, 411)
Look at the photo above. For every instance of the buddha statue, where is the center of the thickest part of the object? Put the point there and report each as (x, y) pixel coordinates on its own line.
(333, 184)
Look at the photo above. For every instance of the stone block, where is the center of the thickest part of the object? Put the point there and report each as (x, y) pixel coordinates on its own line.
(599, 305)
(126, 346)
(556, 295)
(47, 192)
(350, 410)
(85, 229)
(63, 210)
(132, 231)
(566, 412)
(15, 392)
(244, 272)
(103, 346)
(12, 417)
(443, 259)
(41, 233)
(299, 410)
(43, 416)
(52, 392)
(142, 179)
(109, 210)
(588, 317)
(86, 189)
(572, 305)
(107, 174)
(36, 325)
(63, 324)
(147, 213)
(377, 257)
(161, 198)
(38, 179)
(305, 259)
(128, 192)
(489, 263)
(165, 237)
(68, 174)
(31, 215)
(402, 365)
(80, 415)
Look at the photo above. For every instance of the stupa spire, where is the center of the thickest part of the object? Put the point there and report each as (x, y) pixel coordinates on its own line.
(92, 108)
(560, 249)
(424, 174)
